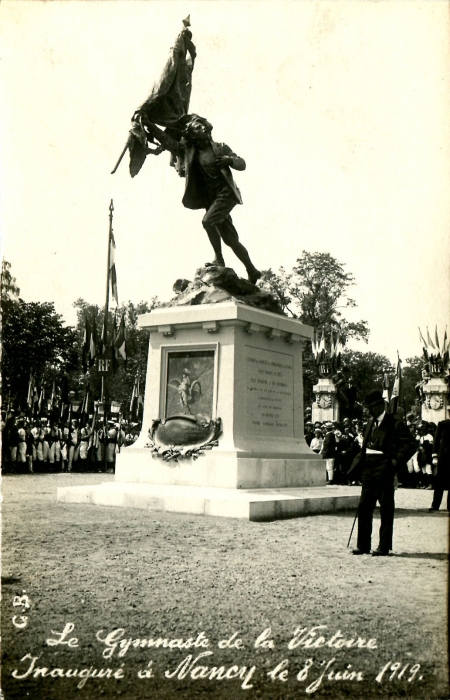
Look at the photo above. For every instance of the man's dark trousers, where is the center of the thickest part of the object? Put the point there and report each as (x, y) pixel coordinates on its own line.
(377, 485)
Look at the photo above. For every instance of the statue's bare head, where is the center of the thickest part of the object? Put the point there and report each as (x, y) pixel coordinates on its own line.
(197, 129)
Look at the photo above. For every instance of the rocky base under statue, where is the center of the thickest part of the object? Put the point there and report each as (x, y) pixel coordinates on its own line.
(213, 285)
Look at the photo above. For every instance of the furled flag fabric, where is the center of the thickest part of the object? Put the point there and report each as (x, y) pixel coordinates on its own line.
(396, 389)
(41, 401)
(104, 338)
(30, 391)
(436, 339)
(112, 267)
(386, 388)
(93, 343)
(86, 345)
(137, 402)
(120, 341)
(114, 351)
(84, 408)
(169, 99)
(64, 395)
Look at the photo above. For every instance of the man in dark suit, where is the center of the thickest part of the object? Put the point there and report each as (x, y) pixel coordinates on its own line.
(387, 442)
(209, 184)
(441, 457)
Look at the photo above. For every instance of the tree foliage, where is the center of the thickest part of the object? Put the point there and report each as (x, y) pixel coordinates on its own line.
(366, 370)
(35, 341)
(9, 289)
(315, 292)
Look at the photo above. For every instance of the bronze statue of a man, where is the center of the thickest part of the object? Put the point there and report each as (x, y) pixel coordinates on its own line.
(209, 184)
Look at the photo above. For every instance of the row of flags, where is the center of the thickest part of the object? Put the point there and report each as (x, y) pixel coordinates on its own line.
(319, 348)
(39, 403)
(435, 349)
(57, 403)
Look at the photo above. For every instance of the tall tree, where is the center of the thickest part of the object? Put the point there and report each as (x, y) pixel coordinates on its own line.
(35, 341)
(315, 292)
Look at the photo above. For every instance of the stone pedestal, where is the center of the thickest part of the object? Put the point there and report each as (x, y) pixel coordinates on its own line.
(434, 409)
(251, 377)
(326, 404)
(241, 366)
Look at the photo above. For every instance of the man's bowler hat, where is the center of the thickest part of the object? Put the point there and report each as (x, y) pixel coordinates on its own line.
(373, 397)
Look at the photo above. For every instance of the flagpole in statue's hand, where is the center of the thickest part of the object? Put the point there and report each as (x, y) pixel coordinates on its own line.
(148, 151)
(121, 155)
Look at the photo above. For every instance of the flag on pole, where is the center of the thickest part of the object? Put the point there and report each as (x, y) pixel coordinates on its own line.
(133, 401)
(140, 402)
(51, 400)
(86, 345)
(104, 338)
(396, 389)
(386, 389)
(167, 103)
(114, 351)
(84, 408)
(436, 337)
(64, 395)
(30, 392)
(93, 343)
(120, 340)
(137, 401)
(112, 267)
(430, 342)
(41, 401)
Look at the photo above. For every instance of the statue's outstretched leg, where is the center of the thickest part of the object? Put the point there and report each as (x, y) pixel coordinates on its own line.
(219, 225)
(230, 237)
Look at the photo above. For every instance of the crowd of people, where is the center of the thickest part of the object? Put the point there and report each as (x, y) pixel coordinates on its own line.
(338, 443)
(46, 445)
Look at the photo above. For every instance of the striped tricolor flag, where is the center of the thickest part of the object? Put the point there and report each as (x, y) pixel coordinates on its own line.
(112, 267)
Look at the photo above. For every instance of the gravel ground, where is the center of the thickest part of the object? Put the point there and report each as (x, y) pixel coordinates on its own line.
(118, 575)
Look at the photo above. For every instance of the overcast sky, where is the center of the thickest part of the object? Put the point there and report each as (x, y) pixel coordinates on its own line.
(340, 109)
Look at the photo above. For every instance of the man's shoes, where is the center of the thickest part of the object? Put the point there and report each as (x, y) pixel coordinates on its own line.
(216, 263)
(330, 483)
(359, 551)
(254, 276)
(432, 510)
(380, 552)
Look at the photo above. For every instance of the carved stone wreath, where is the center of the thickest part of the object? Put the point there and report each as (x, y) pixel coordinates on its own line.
(159, 433)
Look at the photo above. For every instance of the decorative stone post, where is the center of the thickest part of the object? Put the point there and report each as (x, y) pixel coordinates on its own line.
(434, 408)
(326, 404)
(434, 389)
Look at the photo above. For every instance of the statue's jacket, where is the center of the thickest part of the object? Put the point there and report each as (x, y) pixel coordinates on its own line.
(194, 195)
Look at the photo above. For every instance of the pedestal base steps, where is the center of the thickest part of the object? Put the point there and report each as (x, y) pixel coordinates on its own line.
(248, 504)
